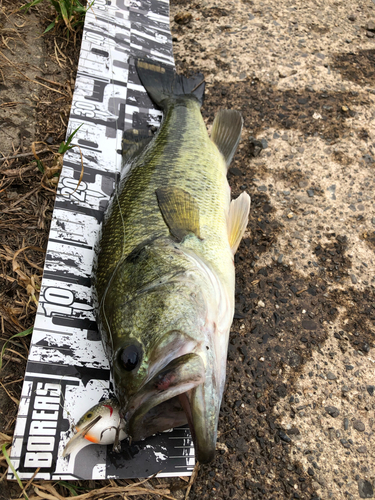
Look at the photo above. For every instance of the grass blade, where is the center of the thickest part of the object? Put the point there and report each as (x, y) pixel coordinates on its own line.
(71, 487)
(64, 13)
(39, 164)
(65, 146)
(49, 27)
(56, 5)
(6, 456)
(27, 6)
(20, 334)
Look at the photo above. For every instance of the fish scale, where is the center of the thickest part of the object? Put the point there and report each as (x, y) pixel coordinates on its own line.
(182, 155)
(164, 278)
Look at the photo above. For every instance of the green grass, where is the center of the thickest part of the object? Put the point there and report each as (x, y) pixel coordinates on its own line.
(6, 456)
(70, 12)
(29, 331)
(65, 146)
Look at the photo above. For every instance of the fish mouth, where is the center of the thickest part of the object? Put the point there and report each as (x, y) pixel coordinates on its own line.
(177, 395)
(156, 407)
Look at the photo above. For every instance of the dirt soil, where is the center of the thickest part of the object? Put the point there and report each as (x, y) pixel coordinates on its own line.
(297, 419)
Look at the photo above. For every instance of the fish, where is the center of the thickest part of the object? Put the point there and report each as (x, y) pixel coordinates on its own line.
(164, 279)
(101, 424)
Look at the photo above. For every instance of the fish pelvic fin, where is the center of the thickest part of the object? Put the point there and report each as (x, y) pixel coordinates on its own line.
(238, 218)
(162, 82)
(226, 132)
(180, 211)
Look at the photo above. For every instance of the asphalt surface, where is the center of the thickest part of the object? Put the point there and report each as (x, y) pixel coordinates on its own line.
(297, 420)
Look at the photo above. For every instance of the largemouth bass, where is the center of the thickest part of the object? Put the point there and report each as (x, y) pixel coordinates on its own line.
(165, 277)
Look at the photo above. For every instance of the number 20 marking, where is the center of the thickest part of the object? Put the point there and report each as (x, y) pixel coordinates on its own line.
(72, 190)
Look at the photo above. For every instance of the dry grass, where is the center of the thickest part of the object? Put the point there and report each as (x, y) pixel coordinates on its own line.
(94, 490)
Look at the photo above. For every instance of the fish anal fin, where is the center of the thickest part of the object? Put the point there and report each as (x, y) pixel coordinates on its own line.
(237, 220)
(180, 211)
(226, 132)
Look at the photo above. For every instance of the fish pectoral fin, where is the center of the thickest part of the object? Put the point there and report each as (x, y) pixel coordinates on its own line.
(226, 132)
(180, 211)
(133, 142)
(238, 218)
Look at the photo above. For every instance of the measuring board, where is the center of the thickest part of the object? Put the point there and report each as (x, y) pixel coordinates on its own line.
(67, 371)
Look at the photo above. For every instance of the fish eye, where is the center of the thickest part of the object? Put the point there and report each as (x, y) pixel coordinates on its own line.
(129, 357)
(88, 415)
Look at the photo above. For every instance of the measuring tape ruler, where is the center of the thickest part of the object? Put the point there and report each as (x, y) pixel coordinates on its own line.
(67, 371)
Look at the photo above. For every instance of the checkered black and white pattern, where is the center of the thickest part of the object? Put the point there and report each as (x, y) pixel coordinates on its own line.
(67, 371)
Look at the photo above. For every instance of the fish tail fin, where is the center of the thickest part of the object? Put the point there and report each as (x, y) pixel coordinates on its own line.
(162, 82)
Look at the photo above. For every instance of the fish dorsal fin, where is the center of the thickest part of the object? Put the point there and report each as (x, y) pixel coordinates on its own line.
(237, 221)
(133, 142)
(180, 211)
(226, 132)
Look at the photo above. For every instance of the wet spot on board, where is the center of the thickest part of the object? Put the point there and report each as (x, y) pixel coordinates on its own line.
(358, 67)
